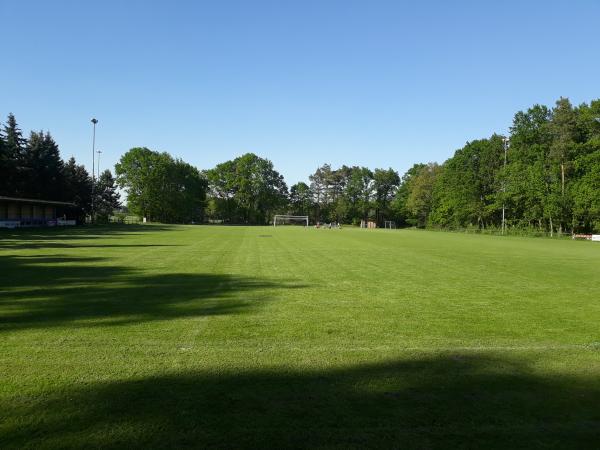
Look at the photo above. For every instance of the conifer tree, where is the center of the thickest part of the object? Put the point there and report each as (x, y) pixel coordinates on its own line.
(77, 186)
(42, 168)
(13, 150)
(4, 165)
(106, 196)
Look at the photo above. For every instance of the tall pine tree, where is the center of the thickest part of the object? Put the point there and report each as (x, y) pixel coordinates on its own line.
(4, 166)
(13, 150)
(77, 186)
(106, 197)
(42, 167)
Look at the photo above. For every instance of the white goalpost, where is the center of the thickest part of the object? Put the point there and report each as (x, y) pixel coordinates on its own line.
(286, 219)
(389, 224)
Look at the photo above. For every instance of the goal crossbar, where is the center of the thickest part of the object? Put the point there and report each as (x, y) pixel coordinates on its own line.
(283, 218)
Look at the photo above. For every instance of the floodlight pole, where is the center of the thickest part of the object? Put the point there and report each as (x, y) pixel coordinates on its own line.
(94, 122)
(505, 141)
(99, 152)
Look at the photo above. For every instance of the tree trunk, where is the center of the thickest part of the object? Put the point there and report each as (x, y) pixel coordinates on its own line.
(551, 228)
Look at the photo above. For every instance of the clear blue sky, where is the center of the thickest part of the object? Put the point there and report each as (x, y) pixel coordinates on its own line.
(302, 83)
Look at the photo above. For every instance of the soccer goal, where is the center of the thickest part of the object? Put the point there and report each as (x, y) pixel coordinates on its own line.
(389, 224)
(284, 219)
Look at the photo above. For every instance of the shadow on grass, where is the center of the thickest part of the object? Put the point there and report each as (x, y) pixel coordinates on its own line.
(54, 290)
(441, 401)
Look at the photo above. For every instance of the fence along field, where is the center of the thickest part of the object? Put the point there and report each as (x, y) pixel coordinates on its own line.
(210, 336)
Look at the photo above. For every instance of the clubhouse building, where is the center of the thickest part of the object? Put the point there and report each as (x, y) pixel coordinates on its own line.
(26, 212)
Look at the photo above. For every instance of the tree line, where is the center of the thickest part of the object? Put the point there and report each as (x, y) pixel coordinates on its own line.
(33, 168)
(549, 183)
(544, 176)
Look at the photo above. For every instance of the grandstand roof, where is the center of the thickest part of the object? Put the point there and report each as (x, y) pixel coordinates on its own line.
(33, 200)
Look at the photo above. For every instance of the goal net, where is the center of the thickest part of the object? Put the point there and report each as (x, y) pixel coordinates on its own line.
(390, 224)
(284, 219)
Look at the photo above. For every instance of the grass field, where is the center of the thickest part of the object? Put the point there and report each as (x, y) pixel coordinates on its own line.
(173, 336)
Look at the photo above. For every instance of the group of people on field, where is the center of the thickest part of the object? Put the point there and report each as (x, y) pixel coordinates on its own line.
(329, 225)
